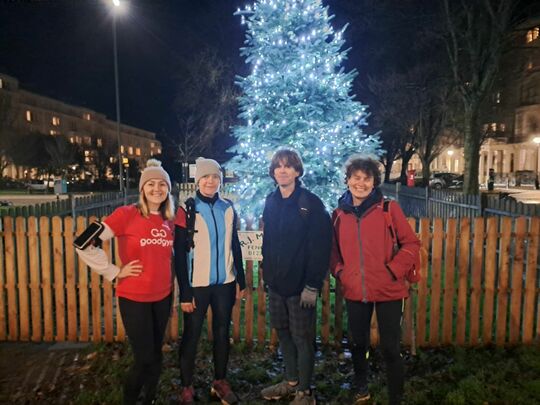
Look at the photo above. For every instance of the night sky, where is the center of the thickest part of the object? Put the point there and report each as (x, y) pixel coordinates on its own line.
(63, 49)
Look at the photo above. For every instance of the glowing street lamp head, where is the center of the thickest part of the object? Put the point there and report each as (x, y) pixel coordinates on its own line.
(118, 6)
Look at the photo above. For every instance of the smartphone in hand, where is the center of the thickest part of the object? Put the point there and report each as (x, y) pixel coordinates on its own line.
(90, 234)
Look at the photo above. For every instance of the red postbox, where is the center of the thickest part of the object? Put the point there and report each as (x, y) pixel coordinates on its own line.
(410, 177)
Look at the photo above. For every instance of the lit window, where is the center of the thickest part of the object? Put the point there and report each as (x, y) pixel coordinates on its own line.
(152, 144)
(87, 140)
(1, 84)
(99, 142)
(111, 159)
(87, 159)
(502, 127)
(493, 126)
(122, 149)
(87, 116)
(55, 121)
(28, 115)
(53, 132)
(529, 65)
(159, 151)
(78, 139)
(72, 139)
(86, 153)
(532, 34)
(486, 127)
(138, 151)
(498, 97)
(130, 150)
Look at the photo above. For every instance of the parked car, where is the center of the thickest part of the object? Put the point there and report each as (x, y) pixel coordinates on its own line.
(38, 185)
(445, 180)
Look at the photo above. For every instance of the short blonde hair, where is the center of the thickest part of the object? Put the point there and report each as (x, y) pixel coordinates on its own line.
(166, 209)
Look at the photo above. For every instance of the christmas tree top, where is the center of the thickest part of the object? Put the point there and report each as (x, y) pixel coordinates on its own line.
(298, 96)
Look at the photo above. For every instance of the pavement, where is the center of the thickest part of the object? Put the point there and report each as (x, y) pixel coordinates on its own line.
(29, 370)
(525, 196)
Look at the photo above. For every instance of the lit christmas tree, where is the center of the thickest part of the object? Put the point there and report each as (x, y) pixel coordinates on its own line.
(298, 96)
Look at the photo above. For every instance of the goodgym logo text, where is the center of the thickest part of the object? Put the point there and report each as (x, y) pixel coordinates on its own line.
(158, 238)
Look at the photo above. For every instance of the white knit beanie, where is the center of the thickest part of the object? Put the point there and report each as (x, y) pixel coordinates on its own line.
(154, 170)
(204, 167)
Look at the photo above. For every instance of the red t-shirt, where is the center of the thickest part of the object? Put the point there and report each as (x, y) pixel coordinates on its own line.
(149, 240)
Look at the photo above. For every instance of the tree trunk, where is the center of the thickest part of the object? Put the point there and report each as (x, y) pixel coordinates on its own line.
(405, 158)
(471, 151)
(388, 168)
(426, 172)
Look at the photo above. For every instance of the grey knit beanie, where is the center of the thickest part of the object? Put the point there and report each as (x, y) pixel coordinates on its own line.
(204, 167)
(154, 170)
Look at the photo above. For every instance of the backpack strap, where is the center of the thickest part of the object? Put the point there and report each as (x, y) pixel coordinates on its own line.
(191, 213)
(304, 205)
(390, 223)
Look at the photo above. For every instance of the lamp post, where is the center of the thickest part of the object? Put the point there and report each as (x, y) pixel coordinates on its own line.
(536, 140)
(116, 4)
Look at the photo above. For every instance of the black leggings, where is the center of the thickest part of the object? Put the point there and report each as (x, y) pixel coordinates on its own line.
(145, 324)
(221, 299)
(389, 322)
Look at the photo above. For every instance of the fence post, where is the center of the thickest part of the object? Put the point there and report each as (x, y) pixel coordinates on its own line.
(482, 203)
(72, 206)
(426, 190)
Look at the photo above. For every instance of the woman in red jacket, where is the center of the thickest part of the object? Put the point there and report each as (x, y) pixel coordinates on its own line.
(371, 273)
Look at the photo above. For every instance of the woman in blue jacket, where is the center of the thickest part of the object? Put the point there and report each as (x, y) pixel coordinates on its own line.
(209, 269)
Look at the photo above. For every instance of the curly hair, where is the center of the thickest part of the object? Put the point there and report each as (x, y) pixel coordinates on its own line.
(366, 164)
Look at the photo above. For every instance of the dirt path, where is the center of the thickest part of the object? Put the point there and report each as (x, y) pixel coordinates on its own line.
(30, 371)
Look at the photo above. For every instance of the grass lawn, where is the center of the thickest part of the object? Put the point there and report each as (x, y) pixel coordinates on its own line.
(434, 376)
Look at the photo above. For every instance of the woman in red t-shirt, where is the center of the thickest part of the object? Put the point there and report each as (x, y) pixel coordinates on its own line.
(144, 285)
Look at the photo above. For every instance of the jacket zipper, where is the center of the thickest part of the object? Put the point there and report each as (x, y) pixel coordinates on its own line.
(362, 272)
(279, 230)
(217, 242)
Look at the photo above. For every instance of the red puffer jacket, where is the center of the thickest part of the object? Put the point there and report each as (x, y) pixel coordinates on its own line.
(362, 257)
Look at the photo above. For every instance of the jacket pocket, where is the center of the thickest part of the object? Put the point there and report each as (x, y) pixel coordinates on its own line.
(389, 270)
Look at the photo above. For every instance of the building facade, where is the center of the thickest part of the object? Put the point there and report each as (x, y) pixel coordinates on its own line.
(93, 132)
(511, 114)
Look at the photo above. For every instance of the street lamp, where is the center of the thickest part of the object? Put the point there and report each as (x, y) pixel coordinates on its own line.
(536, 140)
(116, 10)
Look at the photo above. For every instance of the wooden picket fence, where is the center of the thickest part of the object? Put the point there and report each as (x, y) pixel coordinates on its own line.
(479, 287)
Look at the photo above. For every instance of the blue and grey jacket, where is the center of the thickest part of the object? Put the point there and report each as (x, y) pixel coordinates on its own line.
(216, 257)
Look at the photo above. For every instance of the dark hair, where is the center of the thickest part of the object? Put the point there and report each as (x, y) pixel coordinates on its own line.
(368, 165)
(287, 157)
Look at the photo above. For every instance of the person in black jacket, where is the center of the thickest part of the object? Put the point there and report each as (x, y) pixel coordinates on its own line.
(296, 252)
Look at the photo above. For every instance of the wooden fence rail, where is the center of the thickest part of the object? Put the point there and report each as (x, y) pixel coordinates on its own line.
(480, 286)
